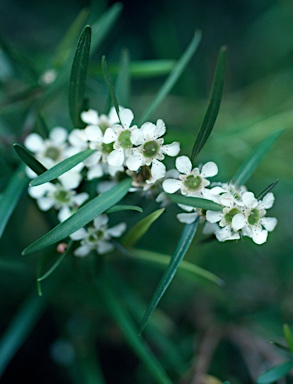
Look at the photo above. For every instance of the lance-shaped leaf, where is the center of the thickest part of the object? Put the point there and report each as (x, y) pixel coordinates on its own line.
(29, 159)
(267, 190)
(180, 251)
(173, 77)
(78, 75)
(275, 373)
(249, 166)
(62, 167)
(213, 105)
(110, 85)
(140, 228)
(81, 217)
(196, 202)
(11, 196)
(118, 208)
(130, 332)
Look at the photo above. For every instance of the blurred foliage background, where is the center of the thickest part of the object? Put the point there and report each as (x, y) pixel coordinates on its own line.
(221, 330)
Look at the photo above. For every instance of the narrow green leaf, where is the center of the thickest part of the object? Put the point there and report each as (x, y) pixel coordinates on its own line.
(180, 251)
(83, 216)
(66, 45)
(173, 77)
(275, 373)
(122, 85)
(90, 366)
(288, 336)
(56, 264)
(11, 196)
(62, 167)
(29, 160)
(130, 332)
(140, 228)
(196, 202)
(110, 85)
(78, 76)
(267, 190)
(249, 166)
(19, 329)
(104, 25)
(185, 266)
(213, 105)
(118, 208)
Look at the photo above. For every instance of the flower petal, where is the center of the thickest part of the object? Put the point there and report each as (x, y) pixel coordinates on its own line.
(34, 142)
(171, 185)
(45, 203)
(136, 136)
(158, 170)
(134, 162)
(187, 218)
(58, 135)
(109, 136)
(209, 169)
(94, 133)
(161, 128)
(95, 172)
(171, 149)
(104, 247)
(259, 236)
(90, 117)
(183, 164)
(79, 234)
(268, 200)
(213, 216)
(100, 220)
(78, 139)
(249, 200)
(117, 230)
(238, 222)
(70, 179)
(269, 223)
(116, 157)
(126, 117)
(82, 251)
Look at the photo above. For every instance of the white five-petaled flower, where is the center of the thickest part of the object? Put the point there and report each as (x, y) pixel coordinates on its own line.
(192, 182)
(60, 196)
(121, 137)
(49, 151)
(257, 225)
(151, 149)
(97, 237)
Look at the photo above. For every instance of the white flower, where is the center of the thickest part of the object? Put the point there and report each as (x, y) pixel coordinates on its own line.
(257, 225)
(192, 182)
(150, 150)
(49, 151)
(60, 196)
(97, 237)
(92, 117)
(120, 136)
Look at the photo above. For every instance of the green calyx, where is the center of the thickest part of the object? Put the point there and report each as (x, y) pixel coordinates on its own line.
(63, 196)
(193, 183)
(229, 216)
(150, 149)
(52, 153)
(107, 148)
(124, 139)
(254, 217)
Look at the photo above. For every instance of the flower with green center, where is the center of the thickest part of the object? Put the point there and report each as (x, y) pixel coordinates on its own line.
(121, 137)
(60, 196)
(257, 225)
(97, 237)
(151, 149)
(191, 182)
(49, 151)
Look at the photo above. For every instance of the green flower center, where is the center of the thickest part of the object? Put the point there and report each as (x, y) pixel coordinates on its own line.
(229, 216)
(96, 236)
(107, 148)
(193, 183)
(63, 196)
(124, 139)
(53, 153)
(150, 149)
(254, 217)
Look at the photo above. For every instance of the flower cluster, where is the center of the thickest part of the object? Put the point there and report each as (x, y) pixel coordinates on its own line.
(138, 152)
